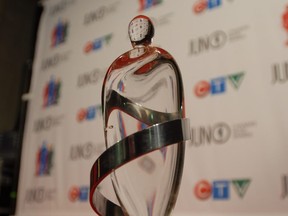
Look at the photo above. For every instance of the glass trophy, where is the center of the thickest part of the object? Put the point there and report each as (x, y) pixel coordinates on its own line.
(145, 130)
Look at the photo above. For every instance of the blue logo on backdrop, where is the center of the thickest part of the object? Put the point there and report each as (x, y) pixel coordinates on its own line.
(218, 85)
(91, 112)
(213, 3)
(221, 189)
(83, 196)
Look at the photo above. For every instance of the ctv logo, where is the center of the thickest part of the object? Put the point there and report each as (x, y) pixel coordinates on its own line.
(218, 85)
(202, 5)
(221, 189)
(98, 43)
(59, 33)
(145, 4)
(78, 193)
(88, 113)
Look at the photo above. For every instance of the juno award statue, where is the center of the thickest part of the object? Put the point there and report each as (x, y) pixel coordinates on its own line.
(145, 130)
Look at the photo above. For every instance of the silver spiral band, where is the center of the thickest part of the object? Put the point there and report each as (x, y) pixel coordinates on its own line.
(143, 114)
(131, 147)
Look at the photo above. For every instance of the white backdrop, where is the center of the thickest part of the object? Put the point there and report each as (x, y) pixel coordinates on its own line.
(233, 56)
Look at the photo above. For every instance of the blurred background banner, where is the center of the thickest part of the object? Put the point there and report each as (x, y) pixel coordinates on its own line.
(233, 56)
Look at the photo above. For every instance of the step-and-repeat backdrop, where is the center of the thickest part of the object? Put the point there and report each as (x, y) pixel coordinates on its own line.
(234, 60)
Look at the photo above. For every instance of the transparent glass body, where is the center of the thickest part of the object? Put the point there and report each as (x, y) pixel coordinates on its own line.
(141, 87)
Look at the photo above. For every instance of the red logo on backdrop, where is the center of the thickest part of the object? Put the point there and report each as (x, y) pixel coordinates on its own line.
(200, 6)
(81, 114)
(202, 88)
(74, 193)
(203, 190)
(285, 22)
